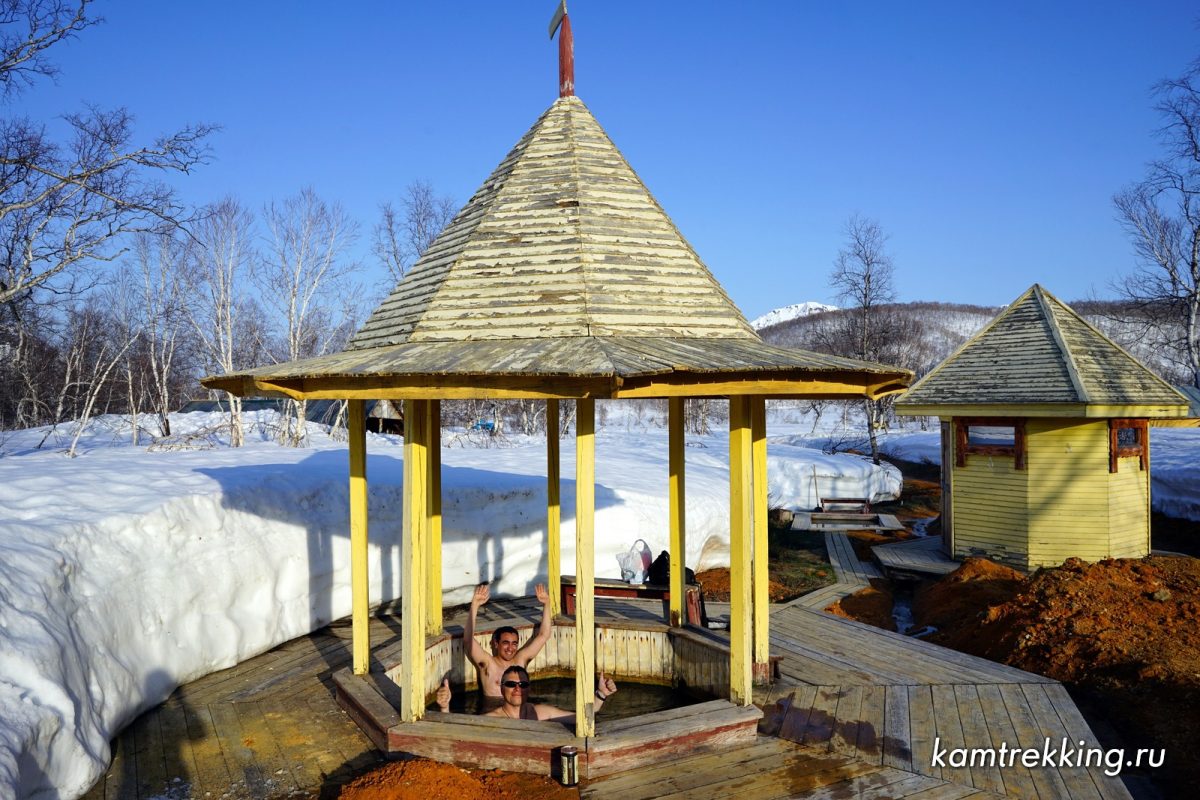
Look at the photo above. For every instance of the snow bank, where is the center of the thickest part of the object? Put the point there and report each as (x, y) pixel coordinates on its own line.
(124, 573)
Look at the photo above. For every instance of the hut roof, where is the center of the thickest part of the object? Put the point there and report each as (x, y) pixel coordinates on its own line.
(562, 265)
(1040, 358)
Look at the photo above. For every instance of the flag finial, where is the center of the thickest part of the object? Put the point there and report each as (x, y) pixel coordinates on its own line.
(566, 50)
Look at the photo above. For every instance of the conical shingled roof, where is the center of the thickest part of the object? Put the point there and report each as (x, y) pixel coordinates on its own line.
(561, 240)
(1039, 351)
(561, 265)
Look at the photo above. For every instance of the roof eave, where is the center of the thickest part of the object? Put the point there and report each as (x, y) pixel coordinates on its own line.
(1062, 410)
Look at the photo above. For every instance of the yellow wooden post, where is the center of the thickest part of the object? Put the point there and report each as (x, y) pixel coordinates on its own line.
(762, 598)
(553, 511)
(677, 502)
(740, 474)
(433, 567)
(360, 625)
(585, 568)
(412, 563)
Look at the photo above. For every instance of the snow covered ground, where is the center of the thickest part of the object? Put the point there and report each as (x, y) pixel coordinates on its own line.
(127, 571)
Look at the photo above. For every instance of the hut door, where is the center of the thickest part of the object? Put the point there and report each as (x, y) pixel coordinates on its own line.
(947, 466)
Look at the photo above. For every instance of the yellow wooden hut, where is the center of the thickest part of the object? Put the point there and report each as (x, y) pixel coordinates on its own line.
(1045, 453)
(561, 278)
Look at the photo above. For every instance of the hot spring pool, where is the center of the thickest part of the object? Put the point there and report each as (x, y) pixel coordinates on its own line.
(630, 700)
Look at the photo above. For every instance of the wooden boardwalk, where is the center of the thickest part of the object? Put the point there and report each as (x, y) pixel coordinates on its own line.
(923, 555)
(851, 573)
(856, 715)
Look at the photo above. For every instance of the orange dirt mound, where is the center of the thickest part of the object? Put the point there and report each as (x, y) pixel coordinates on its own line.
(421, 779)
(962, 597)
(716, 586)
(872, 605)
(1124, 633)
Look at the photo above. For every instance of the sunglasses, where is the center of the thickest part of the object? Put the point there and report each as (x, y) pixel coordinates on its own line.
(515, 684)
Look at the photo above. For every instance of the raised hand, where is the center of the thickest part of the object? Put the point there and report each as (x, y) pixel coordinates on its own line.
(543, 596)
(606, 686)
(482, 593)
(443, 695)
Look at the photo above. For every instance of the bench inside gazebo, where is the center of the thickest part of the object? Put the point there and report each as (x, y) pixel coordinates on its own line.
(562, 279)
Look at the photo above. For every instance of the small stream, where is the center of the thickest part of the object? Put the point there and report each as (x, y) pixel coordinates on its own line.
(903, 591)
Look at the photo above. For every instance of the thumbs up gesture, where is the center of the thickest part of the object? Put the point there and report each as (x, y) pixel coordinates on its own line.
(443, 696)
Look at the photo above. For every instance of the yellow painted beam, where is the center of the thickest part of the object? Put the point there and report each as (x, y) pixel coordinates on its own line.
(819, 385)
(356, 418)
(762, 598)
(585, 567)
(433, 565)
(553, 509)
(412, 563)
(741, 672)
(677, 504)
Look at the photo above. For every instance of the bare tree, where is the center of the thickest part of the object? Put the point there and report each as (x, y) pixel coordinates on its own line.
(158, 288)
(305, 280)
(218, 264)
(863, 279)
(402, 235)
(1162, 216)
(63, 206)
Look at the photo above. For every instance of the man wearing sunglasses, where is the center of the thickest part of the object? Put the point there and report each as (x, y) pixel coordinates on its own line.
(505, 651)
(514, 688)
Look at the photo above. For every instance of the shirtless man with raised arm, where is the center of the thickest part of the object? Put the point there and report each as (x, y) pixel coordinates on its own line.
(505, 653)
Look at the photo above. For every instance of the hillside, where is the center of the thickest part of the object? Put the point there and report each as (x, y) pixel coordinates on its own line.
(921, 334)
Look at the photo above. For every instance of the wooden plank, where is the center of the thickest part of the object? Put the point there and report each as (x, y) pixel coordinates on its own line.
(1017, 779)
(1078, 779)
(585, 555)
(844, 738)
(923, 730)
(269, 758)
(432, 436)
(822, 717)
(689, 772)
(1073, 721)
(741, 656)
(213, 768)
(1029, 733)
(356, 417)
(553, 507)
(760, 595)
(948, 730)
(147, 755)
(412, 565)
(869, 746)
(795, 721)
(178, 761)
(239, 757)
(976, 735)
(897, 740)
(677, 507)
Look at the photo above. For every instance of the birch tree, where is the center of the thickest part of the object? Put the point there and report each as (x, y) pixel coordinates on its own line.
(305, 278)
(403, 234)
(1161, 214)
(219, 262)
(862, 277)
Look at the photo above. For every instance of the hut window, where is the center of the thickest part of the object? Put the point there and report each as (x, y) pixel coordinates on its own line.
(990, 437)
(1127, 438)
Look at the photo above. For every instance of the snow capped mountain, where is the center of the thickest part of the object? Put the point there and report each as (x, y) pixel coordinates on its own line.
(789, 312)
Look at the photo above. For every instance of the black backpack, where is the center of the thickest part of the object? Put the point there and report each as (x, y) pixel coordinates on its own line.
(660, 571)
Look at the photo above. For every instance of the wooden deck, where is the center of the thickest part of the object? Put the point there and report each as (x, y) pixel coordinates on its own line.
(855, 715)
(923, 556)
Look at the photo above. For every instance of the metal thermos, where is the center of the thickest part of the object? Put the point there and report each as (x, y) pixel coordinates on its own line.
(569, 765)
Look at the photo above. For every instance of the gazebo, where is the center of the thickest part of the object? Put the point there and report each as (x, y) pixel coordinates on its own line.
(562, 278)
(1045, 453)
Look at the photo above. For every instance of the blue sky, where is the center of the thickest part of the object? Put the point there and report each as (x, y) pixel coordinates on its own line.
(987, 138)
